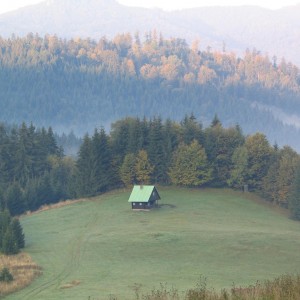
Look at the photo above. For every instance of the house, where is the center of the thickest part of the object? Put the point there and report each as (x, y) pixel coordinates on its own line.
(143, 197)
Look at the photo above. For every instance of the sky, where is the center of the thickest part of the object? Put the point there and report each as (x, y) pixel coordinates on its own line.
(8, 5)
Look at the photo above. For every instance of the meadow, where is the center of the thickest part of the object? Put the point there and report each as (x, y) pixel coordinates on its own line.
(101, 249)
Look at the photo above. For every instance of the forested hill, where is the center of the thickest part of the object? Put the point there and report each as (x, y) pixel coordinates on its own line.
(271, 31)
(81, 83)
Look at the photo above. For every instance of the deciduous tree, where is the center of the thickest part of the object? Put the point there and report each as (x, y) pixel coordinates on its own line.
(190, 166)
(143, 168)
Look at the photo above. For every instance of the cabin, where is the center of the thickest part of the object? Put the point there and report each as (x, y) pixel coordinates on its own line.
(143, 197)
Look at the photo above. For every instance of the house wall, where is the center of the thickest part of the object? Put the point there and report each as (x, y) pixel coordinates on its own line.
(141, 205)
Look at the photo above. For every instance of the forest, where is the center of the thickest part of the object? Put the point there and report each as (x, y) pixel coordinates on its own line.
(34, 170)
(80, 84)
(142, 91)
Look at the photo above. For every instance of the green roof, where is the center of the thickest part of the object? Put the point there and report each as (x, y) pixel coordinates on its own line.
(142, 193)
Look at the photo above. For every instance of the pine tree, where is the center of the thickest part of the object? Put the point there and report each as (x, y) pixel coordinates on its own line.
(5, 157)
(11, 234)
(191, 130)
(156, 151)
(119, 139)
(5, 220)
(102, 172)
(171, 140)
(84, 166)
(15, 200)
(18, 233)
(5, 275)
(31, 195)
(9, 242)
(23, 168)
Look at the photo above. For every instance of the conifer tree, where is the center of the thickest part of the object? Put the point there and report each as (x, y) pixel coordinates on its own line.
(18, 233)
(156, 151)
(12, 238)
(5, 275)
(15, 200)
(84, 167)
(9, 242)
(5, 219)
(102, 173)
(191, 130)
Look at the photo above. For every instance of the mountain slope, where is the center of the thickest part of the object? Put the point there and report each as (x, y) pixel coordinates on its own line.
(80, 84)
(276, 32)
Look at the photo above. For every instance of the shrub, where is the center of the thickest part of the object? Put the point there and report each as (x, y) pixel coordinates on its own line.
(5, 275)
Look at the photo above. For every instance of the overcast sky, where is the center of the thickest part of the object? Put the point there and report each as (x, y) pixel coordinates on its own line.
(7, 5)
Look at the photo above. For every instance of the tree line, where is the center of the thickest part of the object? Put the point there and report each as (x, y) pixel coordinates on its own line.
(34, 171)
(141, 151)
(33, 168)
(49, 80)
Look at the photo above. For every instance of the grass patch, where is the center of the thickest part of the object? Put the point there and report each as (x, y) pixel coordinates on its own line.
(111, 250)
(285, 287)
(23, 270)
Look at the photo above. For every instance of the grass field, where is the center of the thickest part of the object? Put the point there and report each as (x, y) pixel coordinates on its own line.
(100, 247)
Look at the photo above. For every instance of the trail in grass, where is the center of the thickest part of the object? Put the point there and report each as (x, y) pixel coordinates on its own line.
(77, 247)
(109, 250)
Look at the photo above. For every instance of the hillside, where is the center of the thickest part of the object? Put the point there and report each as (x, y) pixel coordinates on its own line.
(218, 234)
(80, 84)
(274, 32)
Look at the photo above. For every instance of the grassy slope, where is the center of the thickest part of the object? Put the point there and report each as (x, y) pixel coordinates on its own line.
(110, 249)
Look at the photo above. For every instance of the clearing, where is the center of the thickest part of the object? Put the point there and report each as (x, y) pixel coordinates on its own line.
(101, 248)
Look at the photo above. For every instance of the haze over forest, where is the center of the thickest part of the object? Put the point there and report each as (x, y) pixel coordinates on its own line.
(87, 80)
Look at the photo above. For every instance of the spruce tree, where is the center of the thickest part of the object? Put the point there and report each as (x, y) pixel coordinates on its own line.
(18, 233)
(102, 173)
(5, 275)
(156, 151)
(191, 130)
(11, 234)
(84, 168)
(9, 242)
(5, 220)
(15, 200)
